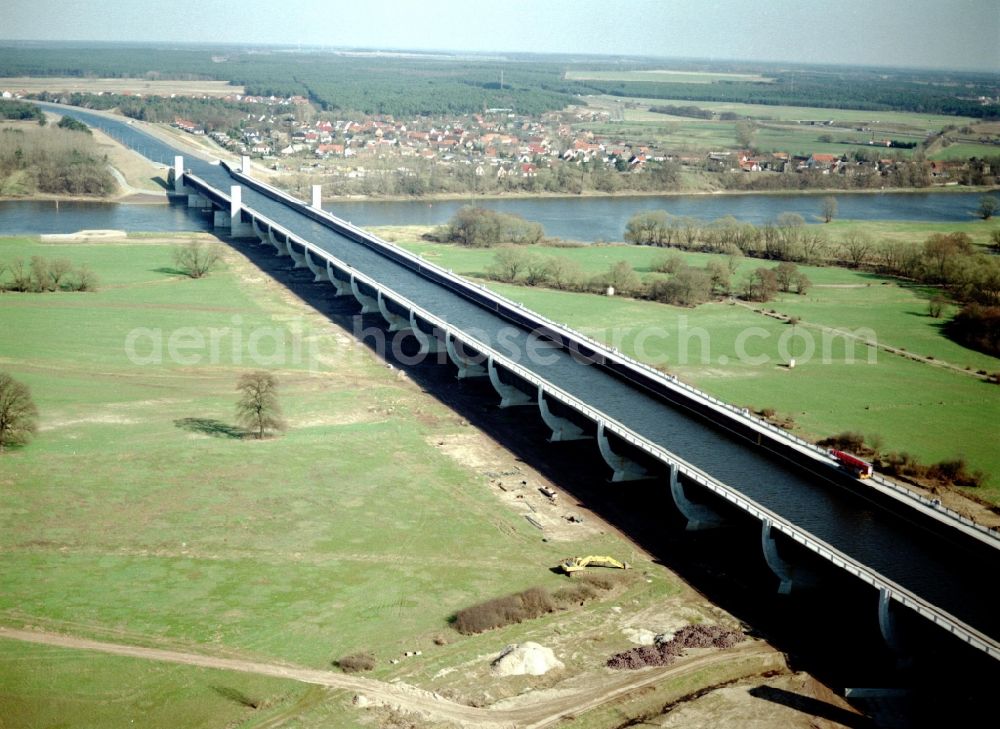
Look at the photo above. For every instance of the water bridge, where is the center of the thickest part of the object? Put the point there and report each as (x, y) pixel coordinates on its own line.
(715, 460)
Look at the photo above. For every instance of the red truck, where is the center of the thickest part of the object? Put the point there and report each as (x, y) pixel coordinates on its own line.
(861, 469)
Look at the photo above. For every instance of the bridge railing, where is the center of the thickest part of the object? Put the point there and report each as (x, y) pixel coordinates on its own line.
(904, 596)
(989, 535)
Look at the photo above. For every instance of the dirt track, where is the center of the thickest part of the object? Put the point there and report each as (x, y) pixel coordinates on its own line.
(600, 689)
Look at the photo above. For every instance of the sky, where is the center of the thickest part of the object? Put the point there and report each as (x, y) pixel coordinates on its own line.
(909, 33)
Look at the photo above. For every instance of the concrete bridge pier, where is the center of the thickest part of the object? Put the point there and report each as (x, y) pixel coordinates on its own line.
(625, 469)
(368, 304)
(889, 627)
(178, 175)
(698, 516)
(791, 576)
(318, 273)
(341, 287)
(429, 343)
(509, 395)
(196, 202)
(279, 247)
(317, 197)
(261, 233)
(396, 322)
(237, 228)
(562, 429)
(298, 259)
(466, 367)
(220, 220)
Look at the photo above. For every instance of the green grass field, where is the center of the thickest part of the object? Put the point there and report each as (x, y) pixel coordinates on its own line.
(965, 150)
(895, 397)
(43, 686)
(135, 517)
(685, 134)
(913, 120)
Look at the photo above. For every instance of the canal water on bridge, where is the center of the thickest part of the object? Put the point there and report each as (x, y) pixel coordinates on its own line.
(922, 562)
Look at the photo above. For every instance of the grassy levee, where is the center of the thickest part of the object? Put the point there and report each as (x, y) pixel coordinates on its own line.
(929, 411)
(138, 515)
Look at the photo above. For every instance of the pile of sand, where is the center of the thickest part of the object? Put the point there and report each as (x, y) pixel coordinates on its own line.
(525, 659)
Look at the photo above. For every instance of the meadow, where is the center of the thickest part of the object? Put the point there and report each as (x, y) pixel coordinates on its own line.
(927, 410)
(639, 109)
(139, 515)
(91, 85)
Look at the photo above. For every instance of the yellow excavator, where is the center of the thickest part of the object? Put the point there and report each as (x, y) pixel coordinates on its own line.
(575, 564)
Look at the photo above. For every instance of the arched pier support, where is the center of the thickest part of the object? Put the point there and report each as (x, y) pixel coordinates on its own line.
(262, 236)
(698, 516)
(279, 247)
(791, 576)
(625, 469)
(429, 343)
(297, 258)
(889, 627)
(509, 395)
(396, 322)
(562, 429)
(318, 273)
(368, 304)
(466, 367)
(340, 287)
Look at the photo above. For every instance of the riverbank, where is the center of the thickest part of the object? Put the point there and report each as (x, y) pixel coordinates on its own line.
(127, 198)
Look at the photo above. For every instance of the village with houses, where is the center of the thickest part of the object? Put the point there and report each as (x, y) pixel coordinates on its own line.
(498, 150)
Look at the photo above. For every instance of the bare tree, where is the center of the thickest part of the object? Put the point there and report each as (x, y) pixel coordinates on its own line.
(258, 409)
(856, 245)
(85, 280)
(935, 307)
(538, 270)
(58, 270)
(565, 273)
(622, 277)
(786, 274)
(746, 133)
(760, 285)
(40, 279)
(20, 276)
(18, 414)
(813, 244)
(508, 263)
(195, 258)
(987, 206)
(828, 208)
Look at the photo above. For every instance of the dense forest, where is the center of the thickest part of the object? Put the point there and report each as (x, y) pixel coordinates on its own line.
(52, 160)
(841, 91)
(528, 85)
